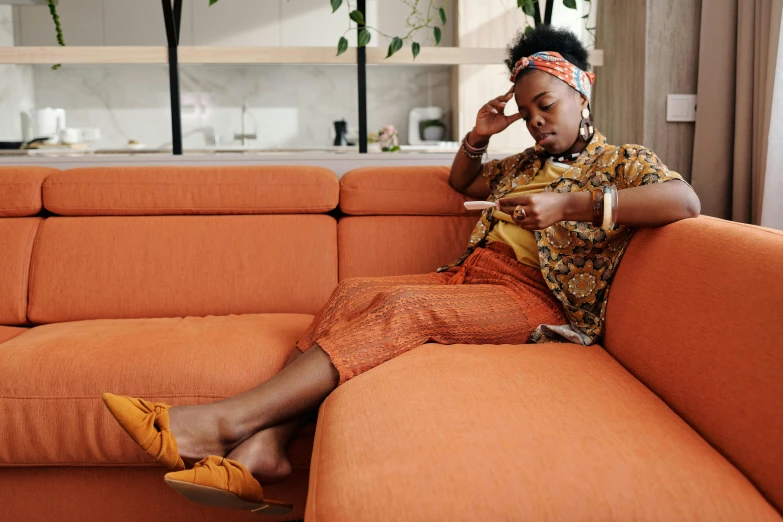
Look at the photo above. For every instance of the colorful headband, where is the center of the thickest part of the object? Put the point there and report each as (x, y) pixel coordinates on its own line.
(554, 64)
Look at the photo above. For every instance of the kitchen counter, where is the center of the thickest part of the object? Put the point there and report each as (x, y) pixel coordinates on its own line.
(339, 160)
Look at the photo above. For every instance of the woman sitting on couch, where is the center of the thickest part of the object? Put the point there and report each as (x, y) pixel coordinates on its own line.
(538, 268)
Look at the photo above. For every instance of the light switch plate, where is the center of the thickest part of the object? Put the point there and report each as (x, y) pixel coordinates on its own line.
(681, 107)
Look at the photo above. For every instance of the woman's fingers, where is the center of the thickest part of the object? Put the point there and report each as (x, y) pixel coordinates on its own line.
(497, 105)
(514, 117)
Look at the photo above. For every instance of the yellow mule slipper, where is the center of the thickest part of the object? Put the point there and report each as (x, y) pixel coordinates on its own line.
(222, 482)
(147, 423)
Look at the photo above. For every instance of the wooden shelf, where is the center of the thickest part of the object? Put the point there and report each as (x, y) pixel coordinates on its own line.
(254, 55)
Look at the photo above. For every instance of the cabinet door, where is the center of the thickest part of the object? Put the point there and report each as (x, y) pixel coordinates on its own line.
(237, 23)
(81, 20)
(141, 22)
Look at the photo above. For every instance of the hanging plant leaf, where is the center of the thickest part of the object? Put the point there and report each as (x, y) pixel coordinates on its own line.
(357, 17)
(438, 34)
(394, 46)
(335, 4)
(442, 13)
(364, 37)
(571, 4)
(342, 45)
(528, 6)
(528, 29)
(415, 47)
(213, 2)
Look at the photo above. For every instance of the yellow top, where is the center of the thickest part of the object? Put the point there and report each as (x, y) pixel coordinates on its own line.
(504, 229)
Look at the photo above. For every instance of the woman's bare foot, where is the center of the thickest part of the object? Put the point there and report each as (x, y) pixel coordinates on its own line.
(200, 431)
(209, 429)
(265, 454)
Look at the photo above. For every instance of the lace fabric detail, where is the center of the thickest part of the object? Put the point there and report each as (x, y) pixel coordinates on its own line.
(491, 299)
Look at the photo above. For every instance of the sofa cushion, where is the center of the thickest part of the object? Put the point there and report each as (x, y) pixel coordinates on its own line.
(561, 432)
(127, 494)
(20, 190)
(17, 236)
(191, 190)
(174, 266)
(400, 245)
(9, 332)
(695, 314)
(52, 377)
(400, 191)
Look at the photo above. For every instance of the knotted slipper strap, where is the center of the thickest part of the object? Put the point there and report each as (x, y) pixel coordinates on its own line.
(147, 423)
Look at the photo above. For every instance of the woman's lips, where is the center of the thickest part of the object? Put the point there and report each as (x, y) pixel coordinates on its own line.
(544, 139)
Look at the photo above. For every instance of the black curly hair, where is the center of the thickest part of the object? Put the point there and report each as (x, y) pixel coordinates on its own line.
(548, 38)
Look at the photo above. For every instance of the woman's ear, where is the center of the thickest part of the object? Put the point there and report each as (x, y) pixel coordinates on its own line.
(584, 102)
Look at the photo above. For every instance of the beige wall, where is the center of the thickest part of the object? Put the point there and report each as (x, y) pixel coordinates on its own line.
(651, 49)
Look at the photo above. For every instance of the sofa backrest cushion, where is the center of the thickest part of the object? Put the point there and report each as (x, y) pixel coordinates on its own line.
(130, 191)
(20, 190)
(418, 191)
(695, 312)
(175, 266)
(373, 246)
(17, 236)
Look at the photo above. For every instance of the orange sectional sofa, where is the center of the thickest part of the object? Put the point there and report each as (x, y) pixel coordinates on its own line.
(189, 285)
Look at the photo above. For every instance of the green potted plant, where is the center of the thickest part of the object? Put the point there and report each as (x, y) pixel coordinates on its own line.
(433, 130)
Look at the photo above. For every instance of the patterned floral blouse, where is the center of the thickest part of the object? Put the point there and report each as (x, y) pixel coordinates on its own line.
(578, 260)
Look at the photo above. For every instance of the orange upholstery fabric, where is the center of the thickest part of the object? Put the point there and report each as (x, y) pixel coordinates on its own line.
(20, 190)
(9, 332)
(191, 190)
(401, 191)
(52, 377)
(109, 494)
(17, 236)
(704, 334)
(175, 266)
(400, 245)
(515, 433)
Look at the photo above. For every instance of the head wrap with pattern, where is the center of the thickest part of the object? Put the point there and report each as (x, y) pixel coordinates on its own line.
(554, 64)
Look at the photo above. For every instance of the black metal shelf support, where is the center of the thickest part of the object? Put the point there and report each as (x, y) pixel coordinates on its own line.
(361, 69)
(172, 16)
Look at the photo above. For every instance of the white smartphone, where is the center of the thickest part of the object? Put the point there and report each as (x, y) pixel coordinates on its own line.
(480, 205)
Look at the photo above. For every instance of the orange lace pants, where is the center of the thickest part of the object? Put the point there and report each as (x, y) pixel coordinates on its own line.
(491, 299)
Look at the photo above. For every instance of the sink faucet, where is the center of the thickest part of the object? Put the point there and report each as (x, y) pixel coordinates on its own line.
(244, 136)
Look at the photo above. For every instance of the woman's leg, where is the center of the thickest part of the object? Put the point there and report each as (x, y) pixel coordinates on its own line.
(219, 427)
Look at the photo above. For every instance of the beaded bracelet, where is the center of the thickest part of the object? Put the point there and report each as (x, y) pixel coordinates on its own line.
(471, 151)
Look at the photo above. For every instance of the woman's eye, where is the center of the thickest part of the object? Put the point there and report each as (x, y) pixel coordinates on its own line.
(547, 107)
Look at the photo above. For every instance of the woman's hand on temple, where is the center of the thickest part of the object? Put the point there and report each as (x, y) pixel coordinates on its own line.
(539, 210)
(491, 119)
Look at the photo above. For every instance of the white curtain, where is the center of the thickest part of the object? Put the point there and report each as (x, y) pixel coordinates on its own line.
(772, 207)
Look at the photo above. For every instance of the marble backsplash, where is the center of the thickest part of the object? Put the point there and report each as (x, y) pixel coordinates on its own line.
(16, 84)
(288, 105)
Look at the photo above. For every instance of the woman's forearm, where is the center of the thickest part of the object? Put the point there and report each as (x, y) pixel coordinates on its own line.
(464, 170)
(645, 206)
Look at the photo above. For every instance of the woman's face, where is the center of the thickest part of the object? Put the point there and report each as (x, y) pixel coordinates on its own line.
(552, 110)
